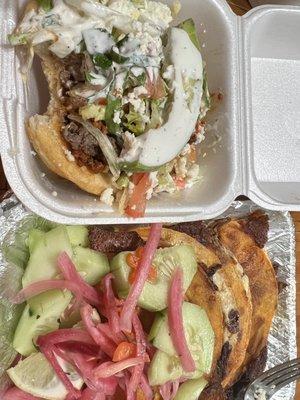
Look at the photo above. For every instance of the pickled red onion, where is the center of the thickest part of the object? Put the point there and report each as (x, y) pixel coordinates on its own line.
(44, 286)
(65, 335)
(103, 341)
(110, 304)
(89, 394)
(48, 352)
(70, 273)
(108, 369)
(176, 322)
(141, 277)
(15, 393)
(137, 372)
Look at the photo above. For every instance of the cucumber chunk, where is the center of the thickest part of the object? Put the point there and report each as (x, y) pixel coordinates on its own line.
(40, 319)
(42, 263)
(198, 332)
(91, 264)
(34, 236)
(164, 368)
(191, 390)
(154, 295)
(78, 235)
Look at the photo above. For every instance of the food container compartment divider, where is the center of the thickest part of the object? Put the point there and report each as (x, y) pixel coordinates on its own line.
(252, 145)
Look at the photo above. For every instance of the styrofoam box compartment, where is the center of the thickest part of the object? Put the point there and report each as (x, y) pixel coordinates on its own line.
(253, 60)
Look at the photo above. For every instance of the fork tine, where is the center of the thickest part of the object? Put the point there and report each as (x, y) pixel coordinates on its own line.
(285, 379)
(283, 383)
(274, 375)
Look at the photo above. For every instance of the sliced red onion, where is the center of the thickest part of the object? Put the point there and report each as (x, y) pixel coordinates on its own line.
(169, 389)
(141, 277)
(103, 342)
(109, 368)
(176, 322)
(89, 394)
(110, 305)
(70, 273)
(73, 307)
(82, 348)
(44, 286)
(146, 388)
(116, 338)
(65, 335)
(15, 393)
(137, 372)
(48, 352)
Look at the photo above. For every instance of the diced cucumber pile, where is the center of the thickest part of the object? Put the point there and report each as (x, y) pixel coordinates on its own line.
(43, 312)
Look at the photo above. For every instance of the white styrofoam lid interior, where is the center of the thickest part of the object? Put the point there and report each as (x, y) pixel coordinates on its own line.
(272, 48)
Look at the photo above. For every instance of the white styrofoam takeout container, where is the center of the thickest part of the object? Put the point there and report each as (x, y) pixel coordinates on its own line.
(253, 60)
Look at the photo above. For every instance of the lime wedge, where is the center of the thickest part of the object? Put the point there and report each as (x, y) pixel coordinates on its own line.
(35, 376)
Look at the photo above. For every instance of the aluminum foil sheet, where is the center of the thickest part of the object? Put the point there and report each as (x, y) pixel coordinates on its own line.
(281, 249)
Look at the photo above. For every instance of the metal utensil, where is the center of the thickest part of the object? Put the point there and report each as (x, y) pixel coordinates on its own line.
(273, 380)
(255, 3)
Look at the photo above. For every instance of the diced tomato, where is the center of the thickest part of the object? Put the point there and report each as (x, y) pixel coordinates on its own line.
(132, 276)
(179, 182)
(133, 260)
(137, 202)
(123, 351)
(155, 88)
(136, 177)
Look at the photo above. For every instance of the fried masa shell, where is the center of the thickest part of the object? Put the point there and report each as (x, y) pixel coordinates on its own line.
(262, 281)
(231, 292)
(44, 132)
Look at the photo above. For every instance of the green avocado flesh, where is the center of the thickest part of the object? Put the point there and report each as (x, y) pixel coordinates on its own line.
(43, 312)
(200, 338)
(135, 166)
(154, 295)
(190, 28)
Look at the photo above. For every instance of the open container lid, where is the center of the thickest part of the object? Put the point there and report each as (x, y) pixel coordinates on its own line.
(271, 82)
(254, 60)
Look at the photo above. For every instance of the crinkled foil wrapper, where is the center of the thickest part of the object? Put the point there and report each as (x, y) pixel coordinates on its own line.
(281, 249)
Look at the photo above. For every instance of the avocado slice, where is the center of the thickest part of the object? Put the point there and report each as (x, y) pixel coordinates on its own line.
(43, 312)
(158, 146)
(189, 26)
(198, 332)
(154, 295)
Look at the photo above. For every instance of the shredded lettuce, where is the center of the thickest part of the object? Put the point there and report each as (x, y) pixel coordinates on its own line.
(102, 61)
(133, 81)
(122, 182)
(104, 144)
(113, 104)
(18, 39)
(135, 122)
(156, 119)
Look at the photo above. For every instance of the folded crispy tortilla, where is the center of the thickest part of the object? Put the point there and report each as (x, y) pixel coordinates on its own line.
(44, 132)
